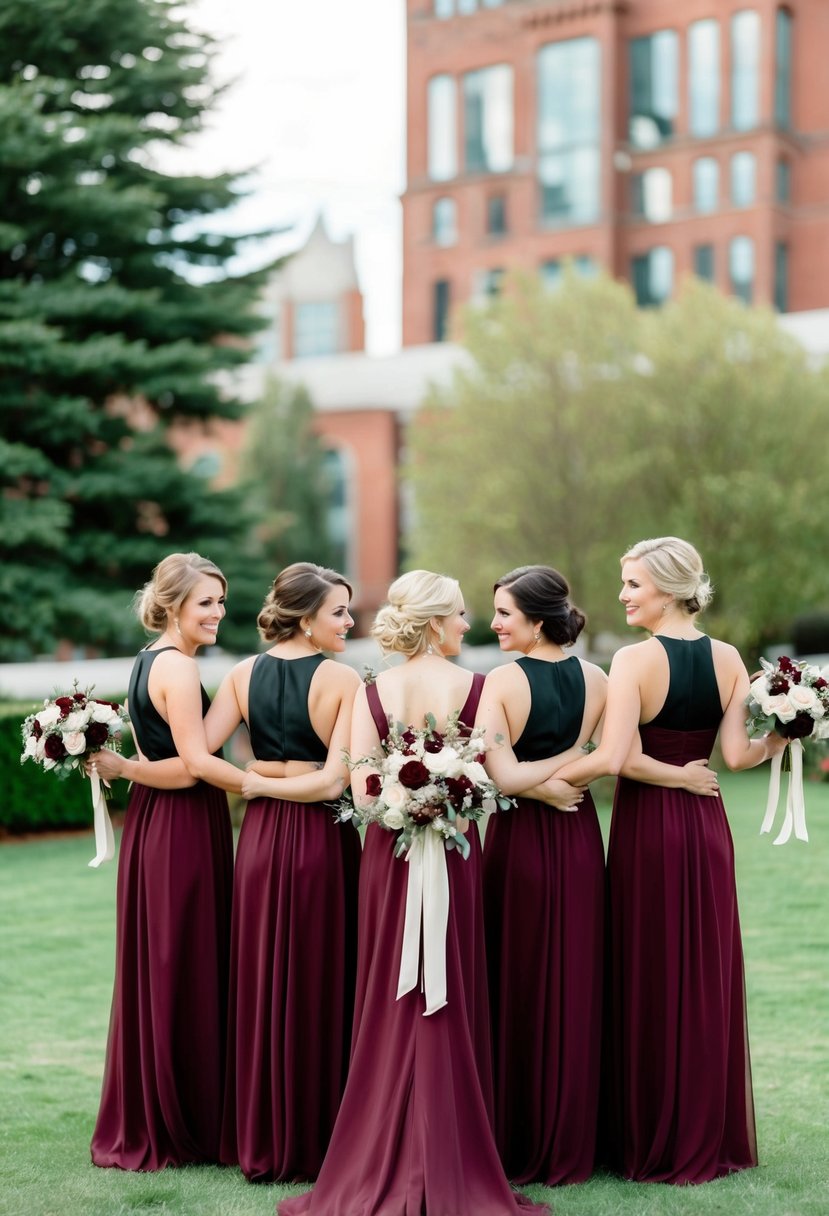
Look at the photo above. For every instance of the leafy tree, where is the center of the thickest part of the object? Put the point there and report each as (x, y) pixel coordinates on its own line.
(523, 457)
(106, 337)
(288, 482)
(580, 426)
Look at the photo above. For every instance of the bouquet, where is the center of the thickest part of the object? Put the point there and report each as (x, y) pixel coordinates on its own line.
(64, 734)
(792, 698)
(422, 781)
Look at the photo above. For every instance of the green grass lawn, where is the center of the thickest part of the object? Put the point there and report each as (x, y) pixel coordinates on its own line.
(56, 960)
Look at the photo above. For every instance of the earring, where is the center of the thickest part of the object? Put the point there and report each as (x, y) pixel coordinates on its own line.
(308, 633)
(429, 649)
(537, 635)
(178, 628)
(441, 636)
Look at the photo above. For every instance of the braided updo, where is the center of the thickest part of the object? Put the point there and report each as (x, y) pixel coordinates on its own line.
(172, 581)
(402, 625)
(676, 568)
(543, 594)
(298, 591)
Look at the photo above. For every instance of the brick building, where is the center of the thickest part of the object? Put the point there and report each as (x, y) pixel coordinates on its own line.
(654, 138)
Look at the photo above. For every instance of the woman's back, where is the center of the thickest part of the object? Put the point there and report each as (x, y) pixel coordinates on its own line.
(428, 685)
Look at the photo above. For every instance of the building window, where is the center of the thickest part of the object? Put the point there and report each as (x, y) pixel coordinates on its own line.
(569, 130)
(444, 8)
(487, 119)
(552, 271)
(654, 101)
(783, 181)
(743, 179)
(745, 70)
(653, 276)
(338, 507)
(488, 284)
(741, 267)
(706, 173)
(781, 276)
(442, 120)
(440, 310)
(783, 68)
(444, 221)
(496, 215)
(704, 76)
(704, 262)
(316, 328)
(653, 195)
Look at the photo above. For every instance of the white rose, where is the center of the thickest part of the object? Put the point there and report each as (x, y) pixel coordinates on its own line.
(75, 721)
(75, 742)
(476, 773)
(394, 763)
(40, 748)
(805, 699)
(49, 716)
(102, 713)
(445, 763)
(31, 746)
(49, 764)
(394, 796)
(779, 705)
(393, 819)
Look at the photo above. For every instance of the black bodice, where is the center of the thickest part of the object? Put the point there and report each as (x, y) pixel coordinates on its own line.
(278, 720)
(557, 709)
(155, 739)
(693, 700)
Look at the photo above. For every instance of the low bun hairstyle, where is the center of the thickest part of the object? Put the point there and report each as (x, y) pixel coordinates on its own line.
(298, 591)
(402, 625)
(543, 594)
(172, 581)
(676, 568)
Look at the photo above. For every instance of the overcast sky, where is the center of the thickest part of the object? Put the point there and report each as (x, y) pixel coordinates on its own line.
(319, 103)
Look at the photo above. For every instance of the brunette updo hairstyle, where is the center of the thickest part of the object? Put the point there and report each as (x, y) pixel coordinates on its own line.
(543, 595)
(676, 568)
(172, 581)
(298, 590)
(402, 625)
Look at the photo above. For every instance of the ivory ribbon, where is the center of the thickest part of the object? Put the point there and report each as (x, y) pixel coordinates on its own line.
(427, 905)
(794, 819)
(104, 838)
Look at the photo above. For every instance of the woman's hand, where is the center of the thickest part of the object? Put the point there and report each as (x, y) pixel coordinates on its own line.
(700, 779)
(560, 795)
(107, 763)
(254, 785)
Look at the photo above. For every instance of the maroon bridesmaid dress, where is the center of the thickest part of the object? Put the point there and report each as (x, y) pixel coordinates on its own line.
(544, 884)
(413, 1134)
(161, 1102)
(293, 950)
(679, 1082)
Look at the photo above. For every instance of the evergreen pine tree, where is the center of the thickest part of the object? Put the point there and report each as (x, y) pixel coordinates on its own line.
(117, 312)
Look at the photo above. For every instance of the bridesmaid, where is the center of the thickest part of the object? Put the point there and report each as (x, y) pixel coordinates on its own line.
(161, 1101)
(679, 1081)
(413, 1134)
(293, 941)
(543, 886)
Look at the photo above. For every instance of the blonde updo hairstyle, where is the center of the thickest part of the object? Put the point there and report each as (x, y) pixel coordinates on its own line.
(172, 581)
(402, 626)
(298, 591)
(676, 568)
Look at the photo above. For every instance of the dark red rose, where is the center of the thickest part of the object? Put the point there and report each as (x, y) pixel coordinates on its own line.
(66, 705)
(785, 663)
(53, 747)
(819, 682)
(800, 727)
(374, 785)
(434, 743)
(408, 737)
(425, 814)
(481, 757)
(413, 775)
(797, 676)
(464, 731)
(111, 704)
(37, 729)
(79, 697)
(457, 788)
(778, 684)
(96, 734)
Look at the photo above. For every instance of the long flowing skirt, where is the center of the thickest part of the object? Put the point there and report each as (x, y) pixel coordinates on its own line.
(544, 889)
(679, 1082)
(161, 1102)
(293, 961)
(413, 1134)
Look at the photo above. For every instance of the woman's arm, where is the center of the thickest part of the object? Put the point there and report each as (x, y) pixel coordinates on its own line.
(169, 774)
(513, 776)
(364, 742)
(695, 776)
(740, 752)
(620, 724)
(181, 687)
